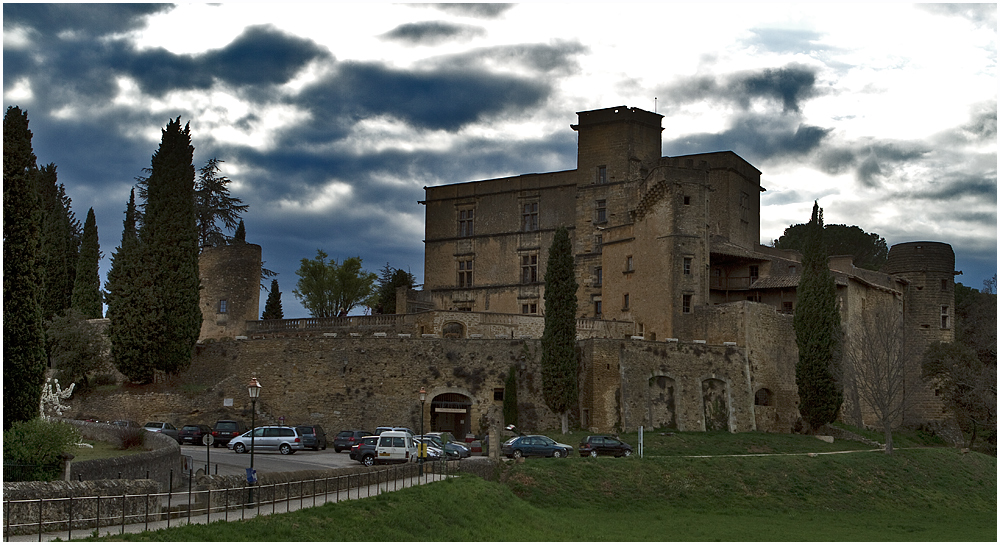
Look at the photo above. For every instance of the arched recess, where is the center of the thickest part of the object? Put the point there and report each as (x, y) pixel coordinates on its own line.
(453, 330)
(662, 402)
(763, 398)
(451, 411)
(715, 404)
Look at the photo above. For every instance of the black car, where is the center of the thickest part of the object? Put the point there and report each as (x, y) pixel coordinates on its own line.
(225, 430)
(193, 433)
(346, 439)
(604, 445)
(312, 435)
(534, 445)
(364, 450)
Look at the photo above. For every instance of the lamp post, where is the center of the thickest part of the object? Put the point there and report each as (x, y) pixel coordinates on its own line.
(254, 390)
(423, 445)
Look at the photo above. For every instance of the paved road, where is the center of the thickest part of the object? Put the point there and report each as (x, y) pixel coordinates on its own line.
(226, 462)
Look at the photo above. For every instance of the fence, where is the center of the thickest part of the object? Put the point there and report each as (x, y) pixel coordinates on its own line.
(46, 515)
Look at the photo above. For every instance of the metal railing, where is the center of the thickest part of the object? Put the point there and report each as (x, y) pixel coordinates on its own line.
(137, 511)
(333, 322)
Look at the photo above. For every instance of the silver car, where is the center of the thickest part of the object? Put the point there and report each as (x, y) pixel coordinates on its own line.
(283, 439)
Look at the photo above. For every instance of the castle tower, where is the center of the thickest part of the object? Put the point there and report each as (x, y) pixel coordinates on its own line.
(929, 310)
(613, 144)
(230, 289)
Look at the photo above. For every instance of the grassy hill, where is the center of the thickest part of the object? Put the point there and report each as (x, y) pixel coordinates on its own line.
(785, 490)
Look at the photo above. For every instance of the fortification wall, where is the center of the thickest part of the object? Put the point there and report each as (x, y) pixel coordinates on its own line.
(230, 289)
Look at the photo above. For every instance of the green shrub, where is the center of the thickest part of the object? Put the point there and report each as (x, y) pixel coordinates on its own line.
(36, 447)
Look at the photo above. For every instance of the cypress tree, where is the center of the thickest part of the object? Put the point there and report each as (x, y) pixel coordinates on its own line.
(510, 398)
(23, 337)
(87, 288)
(60, 244)
(127, 288)
(559, 362)
(240, 236)
(169, 247)
(272, 307)
(817, 332)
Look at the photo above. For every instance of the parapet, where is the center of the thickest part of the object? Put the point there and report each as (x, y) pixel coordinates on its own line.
(924, 256)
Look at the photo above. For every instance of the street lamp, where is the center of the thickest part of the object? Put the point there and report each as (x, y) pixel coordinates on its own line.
(423, 445)
(254, 390)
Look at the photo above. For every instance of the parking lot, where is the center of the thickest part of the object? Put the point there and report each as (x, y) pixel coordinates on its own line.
(226, 462)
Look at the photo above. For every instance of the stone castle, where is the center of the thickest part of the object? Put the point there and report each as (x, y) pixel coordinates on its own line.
(685, 320)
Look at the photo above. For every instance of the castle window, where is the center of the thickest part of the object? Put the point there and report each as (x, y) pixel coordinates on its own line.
(601, 211)
(597, 308)
(786, 307)
(598, 242)
(529, 308)
(763, 398)
(602, 174)
(687, 200)
(497, 394)
(465, 223)
(744, 206)
(465, 273)
(529, 217)
(686, 304)
(529, 268)
(754, 273)
(222, 306)
(625, 302)
(598, 276)
(629, 264)
(791, 269)
(687, 265)
(944, 317)
(944, 284)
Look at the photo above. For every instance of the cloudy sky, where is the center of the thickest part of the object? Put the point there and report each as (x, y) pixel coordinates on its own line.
(331, 118)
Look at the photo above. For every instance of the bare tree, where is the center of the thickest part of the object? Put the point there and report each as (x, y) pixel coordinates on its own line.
(877, 354)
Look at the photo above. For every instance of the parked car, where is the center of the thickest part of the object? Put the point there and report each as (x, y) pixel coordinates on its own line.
(450, 449)
(193, 433)
(379, 430)
(395, 447)
(312, 435)
(364, 450)
(283, 439)
(346, 439)
(451, 446)
(603, 445)
(433, 451)
(126, 423)
(225, 430)
(534, 445)
(166, 428)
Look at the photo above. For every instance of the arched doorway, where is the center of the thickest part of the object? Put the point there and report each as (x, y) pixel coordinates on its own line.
(715, 404)
(451, 412)
(662, 407)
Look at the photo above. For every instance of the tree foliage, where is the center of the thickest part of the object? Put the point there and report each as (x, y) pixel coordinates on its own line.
(215, 205)
(967, 385)
(327, 289)
(817, 332)
(876, 359)
(383, 300)
(870, 251)
(38, 445)
(23, 338)
(510, 414)
(76, 347)
(559, 361)
(60, 244)
(272, 307)
(128, 288)
(87, 287)
(169, 251)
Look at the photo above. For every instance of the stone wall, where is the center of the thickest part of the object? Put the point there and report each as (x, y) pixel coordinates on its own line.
(156, 464)
(110, 492)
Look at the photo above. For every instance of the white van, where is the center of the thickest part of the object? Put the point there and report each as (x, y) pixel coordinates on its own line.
(395, 447)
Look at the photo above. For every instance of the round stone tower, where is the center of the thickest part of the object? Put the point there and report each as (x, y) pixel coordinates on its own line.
(230, 289)
(929, 310)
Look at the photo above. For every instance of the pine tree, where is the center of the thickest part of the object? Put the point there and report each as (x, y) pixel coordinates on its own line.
(272, 307)
(24, 359)
(214, 204)
(127, 288)
(240, 236)
(87, 288)
(169, 248)
(60, 244)
(817, 332)
(559, 362)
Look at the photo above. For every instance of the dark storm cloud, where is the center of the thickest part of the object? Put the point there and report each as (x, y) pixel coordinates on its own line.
(438, 99)
(432, 32)
(756, 138)
(958, 186)
(789, 85)
(557, 57)
(869, 160)
(482, 11)
(90, 20)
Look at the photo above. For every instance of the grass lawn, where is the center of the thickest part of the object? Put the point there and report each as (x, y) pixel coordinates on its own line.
(927, 494)
(101, 450)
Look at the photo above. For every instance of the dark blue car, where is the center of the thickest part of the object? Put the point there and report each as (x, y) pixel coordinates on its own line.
(535, 445)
